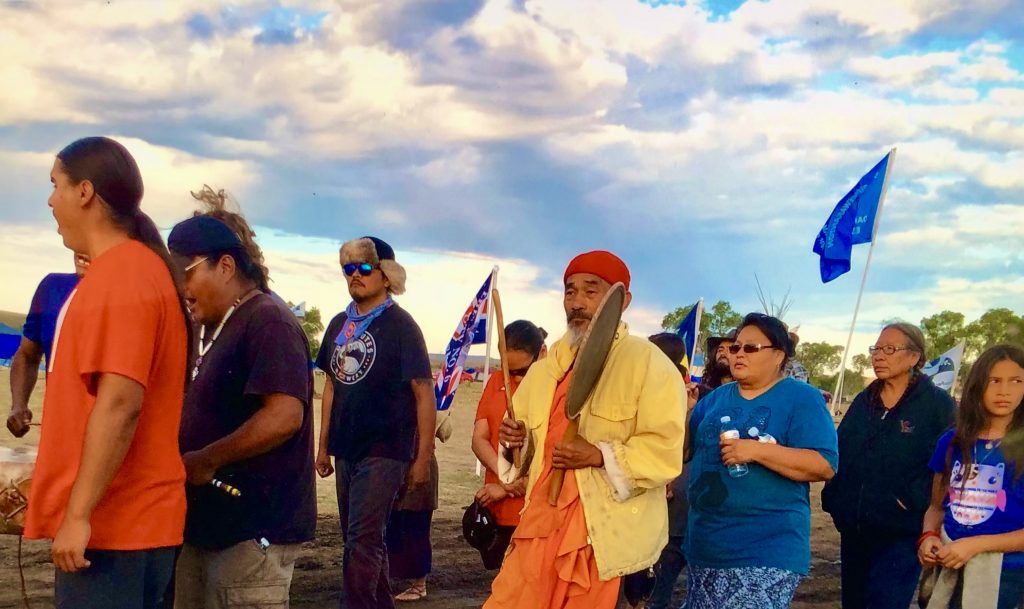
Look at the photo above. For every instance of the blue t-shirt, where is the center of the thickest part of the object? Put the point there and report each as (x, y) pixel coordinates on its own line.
(990, 503)
(47, 302)
(762, 519)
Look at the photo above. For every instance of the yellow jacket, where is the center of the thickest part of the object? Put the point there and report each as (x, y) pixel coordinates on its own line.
(636, 416)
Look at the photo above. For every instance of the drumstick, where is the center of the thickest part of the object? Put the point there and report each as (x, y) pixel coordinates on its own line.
(227, 488)
(503, 355)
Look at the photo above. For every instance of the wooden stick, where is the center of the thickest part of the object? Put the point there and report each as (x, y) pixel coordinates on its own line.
(558, 475)
(503, 354)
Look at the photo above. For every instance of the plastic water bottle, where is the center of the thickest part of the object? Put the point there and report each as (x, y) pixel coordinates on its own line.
(730, 432)
(763, 438)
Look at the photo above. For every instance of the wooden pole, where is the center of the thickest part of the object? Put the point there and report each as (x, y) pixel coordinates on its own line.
(503, 353)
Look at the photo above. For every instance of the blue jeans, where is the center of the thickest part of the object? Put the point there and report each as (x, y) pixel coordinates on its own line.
(116, 579)
(879, 571)
(366, 491)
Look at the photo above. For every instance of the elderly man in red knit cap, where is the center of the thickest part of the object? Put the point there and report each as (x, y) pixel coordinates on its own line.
(610, 518)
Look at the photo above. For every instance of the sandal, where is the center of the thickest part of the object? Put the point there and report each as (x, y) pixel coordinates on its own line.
(412, 593)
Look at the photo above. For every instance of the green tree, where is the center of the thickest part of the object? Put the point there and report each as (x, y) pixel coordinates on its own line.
(993, 327)
(860, 363)
(716, 321)
(853, 383)
(819, 359)
(312, 326)
(942, 331)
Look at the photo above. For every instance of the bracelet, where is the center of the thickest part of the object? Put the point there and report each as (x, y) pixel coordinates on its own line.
(926, 535)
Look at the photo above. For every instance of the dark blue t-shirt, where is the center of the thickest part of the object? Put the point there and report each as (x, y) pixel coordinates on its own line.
(374, 410)
(41, 322)
(762, 519)
(991, 502)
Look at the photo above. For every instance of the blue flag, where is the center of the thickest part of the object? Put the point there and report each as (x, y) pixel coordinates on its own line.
(450, 375)
(688, 330)
(851, 222)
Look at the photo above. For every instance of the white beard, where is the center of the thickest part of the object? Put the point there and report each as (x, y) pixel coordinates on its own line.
(575, 334)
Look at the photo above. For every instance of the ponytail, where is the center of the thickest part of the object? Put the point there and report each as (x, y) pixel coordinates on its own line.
(117, 182)
(145, 231)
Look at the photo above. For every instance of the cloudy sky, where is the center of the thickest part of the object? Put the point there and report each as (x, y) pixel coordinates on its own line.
(705, 142)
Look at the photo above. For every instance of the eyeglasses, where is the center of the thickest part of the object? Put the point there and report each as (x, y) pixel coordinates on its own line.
(749, 348)
(364, 268)
(519, 371)
(887, 349)
(195, 264)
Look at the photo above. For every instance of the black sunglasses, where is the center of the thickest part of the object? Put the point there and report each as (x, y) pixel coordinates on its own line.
(364, 268)
(749, 348)
(519, 371)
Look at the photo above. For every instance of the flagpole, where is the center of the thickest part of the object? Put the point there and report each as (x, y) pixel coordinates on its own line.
(836, 397)
(696, 333)
(490, 333)
(490, 324)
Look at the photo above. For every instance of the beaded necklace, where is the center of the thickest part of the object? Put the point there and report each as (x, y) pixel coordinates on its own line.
(205, 348)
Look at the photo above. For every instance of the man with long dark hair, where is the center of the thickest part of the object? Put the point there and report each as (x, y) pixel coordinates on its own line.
(109, 486)
(716, 362)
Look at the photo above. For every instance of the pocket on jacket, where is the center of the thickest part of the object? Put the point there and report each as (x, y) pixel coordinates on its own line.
(613, 411)
(880, 511)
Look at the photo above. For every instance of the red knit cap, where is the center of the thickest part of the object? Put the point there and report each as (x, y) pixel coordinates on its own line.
(605, 265)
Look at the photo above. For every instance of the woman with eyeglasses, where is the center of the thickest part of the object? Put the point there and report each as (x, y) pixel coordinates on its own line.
(748, 539)
(524, 344)
(880, 494)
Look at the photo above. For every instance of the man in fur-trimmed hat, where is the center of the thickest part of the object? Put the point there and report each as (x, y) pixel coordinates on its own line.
(378, 414)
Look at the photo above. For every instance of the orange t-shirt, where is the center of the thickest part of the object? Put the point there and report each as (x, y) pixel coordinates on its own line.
(492, 408)
(124, 318)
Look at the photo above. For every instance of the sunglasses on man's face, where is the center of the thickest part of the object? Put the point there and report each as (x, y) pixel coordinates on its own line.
(364, 268)
(749, 348)
(188, 269)
(519, 371)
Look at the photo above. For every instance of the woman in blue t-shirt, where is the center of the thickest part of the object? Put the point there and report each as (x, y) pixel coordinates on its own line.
(748, 539)
(976, 517)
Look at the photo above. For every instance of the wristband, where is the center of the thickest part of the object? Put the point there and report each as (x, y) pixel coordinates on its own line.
(926, 535)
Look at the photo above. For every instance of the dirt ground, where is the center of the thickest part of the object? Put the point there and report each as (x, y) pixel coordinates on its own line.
(458, 579)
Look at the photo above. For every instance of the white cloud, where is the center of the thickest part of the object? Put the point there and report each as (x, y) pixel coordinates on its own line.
(27, 254)
(169, 174)
(440, 286)
(904, 70)
(459, 167)
(682, 116)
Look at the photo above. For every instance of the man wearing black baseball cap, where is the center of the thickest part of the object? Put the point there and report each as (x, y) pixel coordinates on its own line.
(246, 427)
(378, 414)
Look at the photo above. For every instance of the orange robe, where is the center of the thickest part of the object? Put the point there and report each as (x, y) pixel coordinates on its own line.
(551, 564)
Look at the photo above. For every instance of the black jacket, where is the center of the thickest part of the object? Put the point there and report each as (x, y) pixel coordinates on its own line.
(883, 459)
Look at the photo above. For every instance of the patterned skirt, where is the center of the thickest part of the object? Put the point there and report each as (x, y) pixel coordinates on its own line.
(741, 588)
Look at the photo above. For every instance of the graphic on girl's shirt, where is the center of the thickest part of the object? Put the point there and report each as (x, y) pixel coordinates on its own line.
(975, 501)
